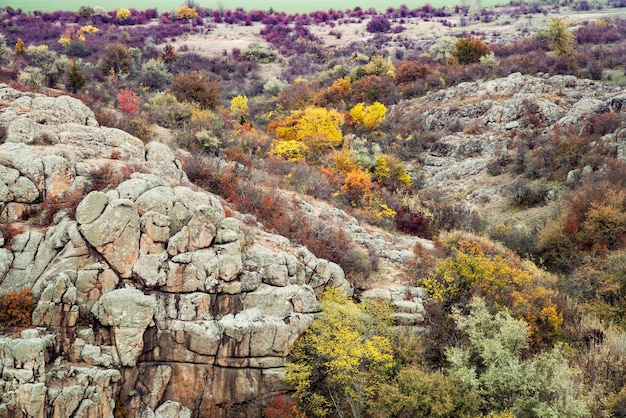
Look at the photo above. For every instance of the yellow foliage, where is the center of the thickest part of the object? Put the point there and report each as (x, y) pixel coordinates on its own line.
(64, 41)
(186, 13)
(390, 170)
(318, 128)
(343, 162)
(368, 117)
(379, 65)
(319, 121)
(201, 115)
(89, 29)
(290, 150)
(477, 266)
(343, 84)
(239, 105)
(552, 317)
(348, 346)
(385, 212)
(122, 14)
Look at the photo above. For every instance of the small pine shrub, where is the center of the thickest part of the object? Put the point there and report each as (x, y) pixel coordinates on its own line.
(76, 80)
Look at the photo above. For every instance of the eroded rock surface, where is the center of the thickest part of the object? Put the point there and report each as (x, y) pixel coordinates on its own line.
(147, 295)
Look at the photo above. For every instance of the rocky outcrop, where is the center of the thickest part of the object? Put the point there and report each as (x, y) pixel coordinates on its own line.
(148, 296)
(473, 125)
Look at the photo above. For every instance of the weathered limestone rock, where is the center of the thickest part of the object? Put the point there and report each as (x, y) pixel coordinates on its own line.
(115, 234)
(129, 312)
(59, 176)
(22, 158)
(91, 207)
(166, 165)
(197, 234)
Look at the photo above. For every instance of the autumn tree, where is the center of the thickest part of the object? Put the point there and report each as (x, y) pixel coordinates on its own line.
(390, 171)
(357, 187)
(186, 13)
(377, 65)
(20, 47)
(16, 308)
(478, 267)
(116, 60)
(196, 88)
(343, 358)
(128, 101)
(469, 50)
(560, 38)
(122, 14)
(368, 117)
(239, 107)
(317, 128)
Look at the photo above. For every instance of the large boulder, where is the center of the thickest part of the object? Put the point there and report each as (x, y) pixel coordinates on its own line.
(129, 312)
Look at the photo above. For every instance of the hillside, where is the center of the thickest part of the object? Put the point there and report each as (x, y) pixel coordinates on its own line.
(248, 213)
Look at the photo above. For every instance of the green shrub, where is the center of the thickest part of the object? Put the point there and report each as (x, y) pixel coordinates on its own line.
(418, 393)
(491, 362)
(154, 75)
(165, 110)
(259, 53)
(76, 80)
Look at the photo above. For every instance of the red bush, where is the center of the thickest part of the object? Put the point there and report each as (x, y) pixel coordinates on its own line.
(282, 407)
(128, 101)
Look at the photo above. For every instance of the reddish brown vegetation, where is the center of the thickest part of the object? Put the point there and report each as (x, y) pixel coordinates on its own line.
(282, 407)
(16, 309)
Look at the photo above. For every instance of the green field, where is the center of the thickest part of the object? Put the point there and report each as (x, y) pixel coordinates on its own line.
(289, 6)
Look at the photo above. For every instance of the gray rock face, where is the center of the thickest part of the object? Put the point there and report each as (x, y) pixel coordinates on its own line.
(483, 124)
(115, 234)
(129, 312)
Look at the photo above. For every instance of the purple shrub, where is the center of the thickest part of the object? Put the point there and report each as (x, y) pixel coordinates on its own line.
(378, 24)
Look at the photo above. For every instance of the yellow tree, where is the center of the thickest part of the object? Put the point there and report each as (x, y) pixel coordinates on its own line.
(343, 358)
(368, 117)
(390, 171)
(239, 107)
(186, 13)
(317, 128)
(122, 14)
